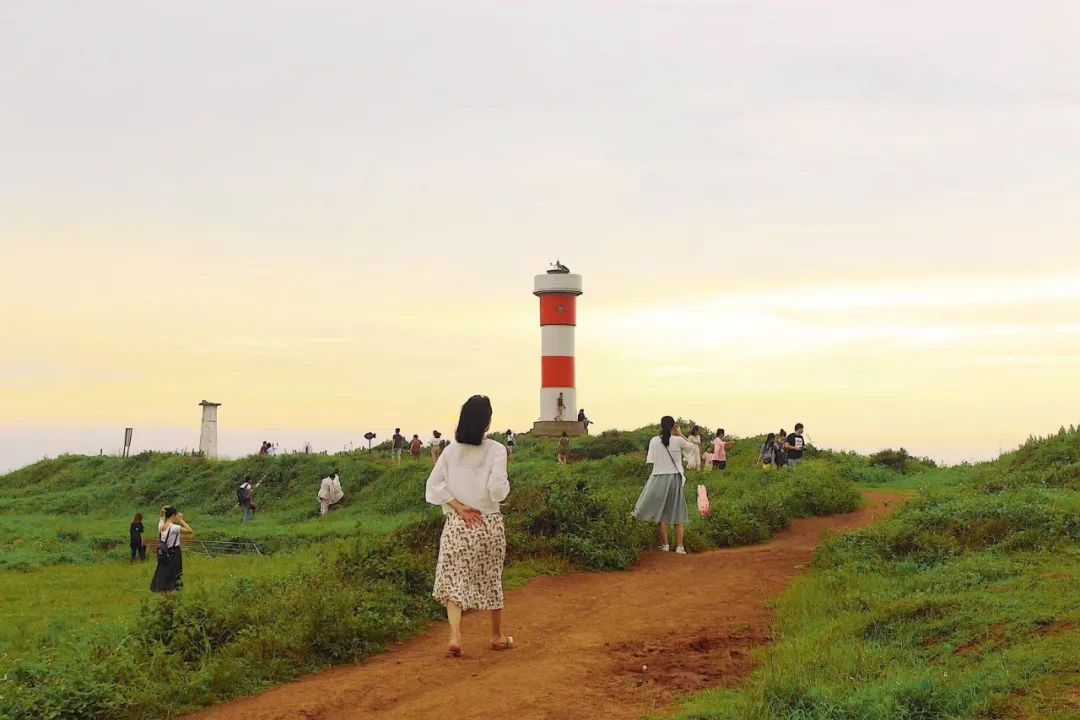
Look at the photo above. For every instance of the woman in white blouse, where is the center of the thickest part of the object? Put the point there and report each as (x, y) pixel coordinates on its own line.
(663, 500)
(469, 481)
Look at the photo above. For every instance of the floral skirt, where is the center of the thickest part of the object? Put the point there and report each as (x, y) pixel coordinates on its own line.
(470, 566)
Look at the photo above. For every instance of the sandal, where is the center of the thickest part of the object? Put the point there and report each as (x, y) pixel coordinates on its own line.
(507, 644)
(453, 651)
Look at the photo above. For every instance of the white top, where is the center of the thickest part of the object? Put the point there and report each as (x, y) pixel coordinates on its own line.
(472, 474)
(330, 490)
(171, 537)
(664, 463)
(511, 437)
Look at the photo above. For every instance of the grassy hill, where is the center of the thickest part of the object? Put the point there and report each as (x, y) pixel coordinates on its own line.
(964, 604)
(83, 637)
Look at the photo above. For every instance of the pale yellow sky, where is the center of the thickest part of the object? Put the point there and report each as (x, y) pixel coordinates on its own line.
(858, 216)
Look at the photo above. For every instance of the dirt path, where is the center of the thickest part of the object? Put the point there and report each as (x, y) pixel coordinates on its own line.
(582, 641)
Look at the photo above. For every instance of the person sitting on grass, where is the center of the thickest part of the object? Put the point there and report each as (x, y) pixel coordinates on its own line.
(663, 500)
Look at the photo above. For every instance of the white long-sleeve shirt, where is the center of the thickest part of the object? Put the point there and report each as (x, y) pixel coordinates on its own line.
(472, 474)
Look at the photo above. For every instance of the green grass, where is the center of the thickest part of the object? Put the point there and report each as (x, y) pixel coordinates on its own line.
(87, 640)
(962, 605)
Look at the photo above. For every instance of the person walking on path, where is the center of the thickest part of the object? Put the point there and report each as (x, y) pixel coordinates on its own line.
(169, 574)
(720, 448)
(767, 457)
(245, 498)
(663, 500)
(397, 446)
(693, 455)
(470, 481)
(135, 534)
(436, 445)
(511, 442)
(560, 408)
(330, 492)
(416, 447)
(564, 449)
(795, 445)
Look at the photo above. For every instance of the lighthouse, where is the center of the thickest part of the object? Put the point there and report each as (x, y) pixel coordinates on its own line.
(558, 290)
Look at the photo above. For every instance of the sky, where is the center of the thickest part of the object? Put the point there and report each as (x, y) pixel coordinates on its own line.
(326, 216)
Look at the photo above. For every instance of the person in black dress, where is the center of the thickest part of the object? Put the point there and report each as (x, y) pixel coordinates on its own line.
(138, 547)
(169, 574)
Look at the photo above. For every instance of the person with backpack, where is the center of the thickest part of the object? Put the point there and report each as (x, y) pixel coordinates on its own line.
(245, 498)
(767, 458)
(397, 445)
(781, 456)
(416, 447)
(663, 499)
(169, 573)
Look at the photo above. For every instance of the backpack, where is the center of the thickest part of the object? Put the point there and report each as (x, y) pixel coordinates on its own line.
(242, 495)
(416, 446)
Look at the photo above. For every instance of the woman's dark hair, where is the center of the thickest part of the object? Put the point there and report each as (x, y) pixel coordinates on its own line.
(667, 424)
(138, 518)
(169, 511)
(474, 420)
(695, 430)
(720, 432)
(771, 438)
(783, 433)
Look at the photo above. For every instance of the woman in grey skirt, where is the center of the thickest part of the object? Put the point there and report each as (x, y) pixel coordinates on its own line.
(469, 481)
(663, 500)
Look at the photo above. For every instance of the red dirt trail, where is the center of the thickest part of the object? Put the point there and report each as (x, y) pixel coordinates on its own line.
(581, 642)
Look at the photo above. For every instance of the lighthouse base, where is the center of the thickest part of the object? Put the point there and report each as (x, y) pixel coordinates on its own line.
(555, 428)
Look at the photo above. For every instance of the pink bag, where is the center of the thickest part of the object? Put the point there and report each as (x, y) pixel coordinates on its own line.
(703, 505)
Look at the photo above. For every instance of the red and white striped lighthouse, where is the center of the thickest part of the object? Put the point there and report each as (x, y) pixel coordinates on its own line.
(558, 290)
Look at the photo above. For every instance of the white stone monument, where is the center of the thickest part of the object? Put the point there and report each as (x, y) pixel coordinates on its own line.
(208, 434)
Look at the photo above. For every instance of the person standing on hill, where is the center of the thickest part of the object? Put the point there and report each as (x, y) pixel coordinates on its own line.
(767, 458)
(693, 456)
(397, 445)
(135, 536)
(469, 482)
(795, 445)
(720, 448)
(663, 500)
(436, 445)
(780, 456)
(169, 574)
(330, 492)
(511, 442)
(245, 498)
(564, 449)
(416, 447)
